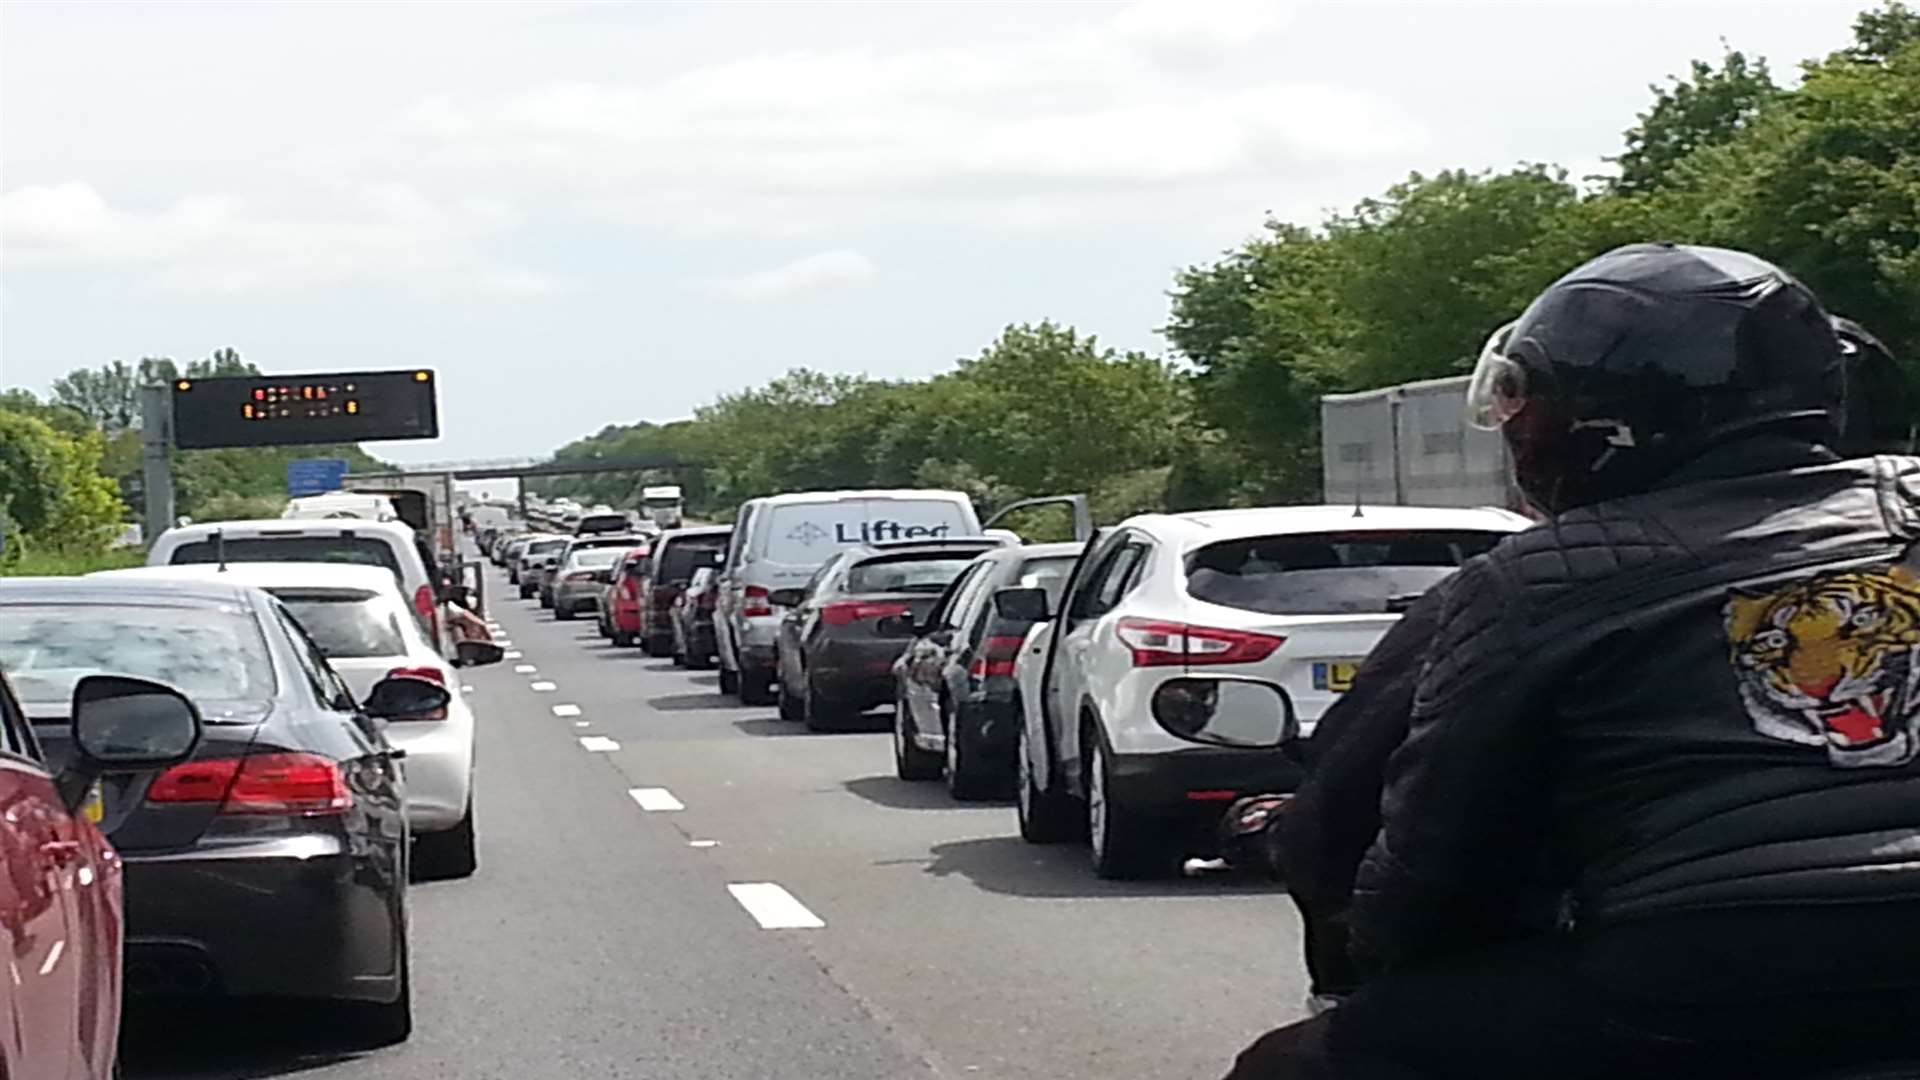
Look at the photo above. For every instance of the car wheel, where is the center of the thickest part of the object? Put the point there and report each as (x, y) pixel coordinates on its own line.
(513, 577)
(698, 663)
(646, 644)
(526, 591)
(1046, 817)
(660, 645)
(729, 681)
(443, 856)
(546, 600)
(386, 1023)
(756, 688)
(563, 612)
(678, 655)
(1125, 844)
(967, 777)
(792, 709)
(622, 638)
(909, 761)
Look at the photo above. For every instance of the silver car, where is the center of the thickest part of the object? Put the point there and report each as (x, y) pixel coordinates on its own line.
(579, 580)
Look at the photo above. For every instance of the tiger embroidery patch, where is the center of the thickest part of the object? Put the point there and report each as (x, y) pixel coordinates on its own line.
(1831, 662)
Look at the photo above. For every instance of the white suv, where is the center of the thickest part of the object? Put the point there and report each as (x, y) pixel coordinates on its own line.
(1218, 609)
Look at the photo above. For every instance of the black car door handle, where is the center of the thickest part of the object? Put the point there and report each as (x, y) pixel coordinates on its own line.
(392, 753)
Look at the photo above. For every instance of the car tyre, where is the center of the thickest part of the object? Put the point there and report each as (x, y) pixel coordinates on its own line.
(792, 709)
(546, 600)
(526, 592)
(660, 645)
(756, 688)
(678, 655)
(1046, 816)
(699, 663)
(1125, 844)
(729, 681)
(909, 761)
(446, 855)
(622, 638)
(563, 612)
(819, 713)
(968, 778)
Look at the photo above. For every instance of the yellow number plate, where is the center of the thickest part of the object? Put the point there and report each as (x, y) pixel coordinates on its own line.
(1335, 675)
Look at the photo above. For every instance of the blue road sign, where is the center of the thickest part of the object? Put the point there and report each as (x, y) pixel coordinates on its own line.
(315, 476)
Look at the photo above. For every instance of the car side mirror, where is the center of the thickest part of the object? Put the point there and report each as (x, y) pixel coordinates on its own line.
(1021, 605)
(122, 724)
(406, 697)
(898, 626)
(478, 653)
(1242, 713)
(787, 598)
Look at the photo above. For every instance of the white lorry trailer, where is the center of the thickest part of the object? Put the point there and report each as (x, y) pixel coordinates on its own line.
(1411, 445)
(663, 505)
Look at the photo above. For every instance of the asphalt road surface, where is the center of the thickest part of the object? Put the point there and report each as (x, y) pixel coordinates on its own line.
(675, 888)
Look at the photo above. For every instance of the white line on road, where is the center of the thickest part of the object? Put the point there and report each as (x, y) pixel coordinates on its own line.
(524, 669)
(511, 654)
(581, 723)
(598, 744)
(53, 956)
(542, 686)
(773, 907)
(504, 643)
(655, 798)
(466, 689)
(703, 843)
(566, 710)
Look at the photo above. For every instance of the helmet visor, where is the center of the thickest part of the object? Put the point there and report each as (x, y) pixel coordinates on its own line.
(1498, 390)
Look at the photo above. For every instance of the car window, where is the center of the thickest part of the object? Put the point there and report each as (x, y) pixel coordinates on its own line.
(327, 690)
(917, 573)
(819, 579)
(943, 610)
(347, 623)
(1333, 573)
(595, 558)
(1108, 582)
(1047, 574)
(212, 654)
(15, 733)
(676, 564)
(742, 530)
(979, 591)
(358, 550)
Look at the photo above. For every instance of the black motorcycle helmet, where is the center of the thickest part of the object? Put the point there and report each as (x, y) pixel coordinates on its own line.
(1640, 359)
(1877, 419)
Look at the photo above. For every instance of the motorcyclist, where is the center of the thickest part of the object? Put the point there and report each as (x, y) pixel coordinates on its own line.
(1656, 811)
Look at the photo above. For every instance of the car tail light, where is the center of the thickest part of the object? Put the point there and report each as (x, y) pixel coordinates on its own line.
(848, 612)
(580, 575)
(1171, 644)
(424, 671)
(279, 783)
(996, 657)
(428, 606)
(756, 600)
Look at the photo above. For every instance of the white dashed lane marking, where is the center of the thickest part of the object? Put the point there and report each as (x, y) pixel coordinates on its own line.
(703, 843)
(773, 907)
(655, 799)
(542, 686)
(511, 654)
(598, 744)
(524, 669)
(566, 710)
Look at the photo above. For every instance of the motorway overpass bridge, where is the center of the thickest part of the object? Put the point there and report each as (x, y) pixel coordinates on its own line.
(527, 468)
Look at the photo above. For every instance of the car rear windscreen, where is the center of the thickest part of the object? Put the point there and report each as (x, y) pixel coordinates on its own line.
(208, 653)
(347, 624)
(1335, 573)
(358, 550)
(682, 556)
(603, 523)
(541, 547)
(808, 534)
(595, 558)
(906, 573)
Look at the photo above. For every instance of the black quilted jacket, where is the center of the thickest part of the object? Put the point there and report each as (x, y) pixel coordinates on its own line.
(1705, 696)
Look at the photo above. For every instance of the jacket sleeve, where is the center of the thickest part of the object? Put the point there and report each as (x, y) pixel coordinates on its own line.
(1465, 792)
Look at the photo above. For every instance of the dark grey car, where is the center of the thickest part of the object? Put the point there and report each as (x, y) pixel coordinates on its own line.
(956, 702)
(833, 659)
(273, 862)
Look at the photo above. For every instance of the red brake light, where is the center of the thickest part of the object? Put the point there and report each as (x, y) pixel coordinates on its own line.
(996, 657)
(1171, 644)
(424, 671)
(580, 575)
(848, 612)
(282, 783)
(756, 600)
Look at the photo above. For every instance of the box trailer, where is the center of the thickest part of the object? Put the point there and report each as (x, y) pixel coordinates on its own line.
(1411, 445)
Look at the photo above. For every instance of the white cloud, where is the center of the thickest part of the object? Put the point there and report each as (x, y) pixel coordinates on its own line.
(814, 273)
(225, 244)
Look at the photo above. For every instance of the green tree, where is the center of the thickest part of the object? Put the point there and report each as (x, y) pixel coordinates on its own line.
(1707, 109)
(1883, 33)
(51, 490)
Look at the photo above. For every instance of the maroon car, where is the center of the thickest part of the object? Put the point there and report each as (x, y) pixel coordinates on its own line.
(676, 555)
(61, 911)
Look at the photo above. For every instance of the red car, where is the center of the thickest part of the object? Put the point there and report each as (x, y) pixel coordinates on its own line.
(625, 596)
(60, 881)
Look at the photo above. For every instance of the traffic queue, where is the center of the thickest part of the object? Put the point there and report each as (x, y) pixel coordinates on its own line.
(223, 771)
(1125, 687)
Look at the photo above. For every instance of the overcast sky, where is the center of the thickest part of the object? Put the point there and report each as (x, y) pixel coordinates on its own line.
(584, 214)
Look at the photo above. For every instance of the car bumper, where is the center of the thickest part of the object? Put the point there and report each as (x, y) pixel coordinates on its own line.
(438, 770)
(1201, 782)
(297, 916)
(625, 619)
(854, 672)
(576, 597)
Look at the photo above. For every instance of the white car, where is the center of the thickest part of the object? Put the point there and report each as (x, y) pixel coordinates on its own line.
(1259, 610)
(390, 544)
(356, 617)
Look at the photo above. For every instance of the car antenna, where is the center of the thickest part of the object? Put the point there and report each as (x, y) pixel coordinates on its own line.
(220, 549)
(1357, 511)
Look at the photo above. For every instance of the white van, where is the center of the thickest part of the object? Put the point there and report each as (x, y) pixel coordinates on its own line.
(341, 504)
(779, 541)
(392, 544)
